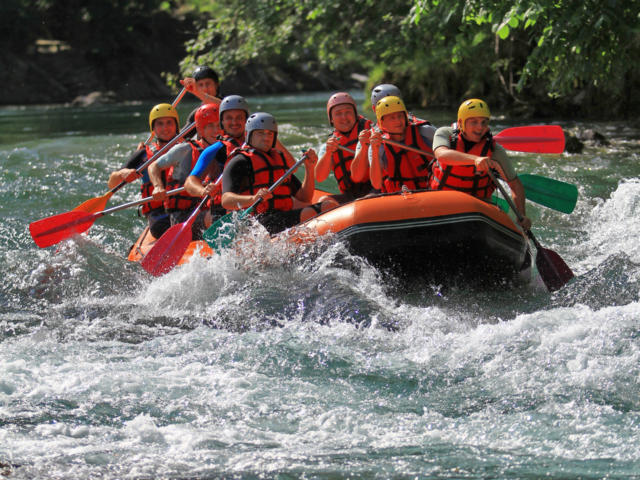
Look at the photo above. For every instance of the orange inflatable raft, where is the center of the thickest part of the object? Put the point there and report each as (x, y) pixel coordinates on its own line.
(437, 234)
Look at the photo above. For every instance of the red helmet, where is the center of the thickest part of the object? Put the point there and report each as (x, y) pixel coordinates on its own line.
(340, 98)
(206, 114)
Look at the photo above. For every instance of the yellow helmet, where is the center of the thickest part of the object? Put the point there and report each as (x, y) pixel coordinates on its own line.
(163, 110)
(472, 108)
(387, 105)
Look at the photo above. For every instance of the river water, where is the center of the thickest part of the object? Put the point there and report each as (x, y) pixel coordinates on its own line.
(312, 365)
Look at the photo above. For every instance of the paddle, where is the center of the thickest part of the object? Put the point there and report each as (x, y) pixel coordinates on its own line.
(170, 247)
(221, 233)
(555, 194)
(560, 196)
(175, 102)
(98, 203)
(553, 270)
(533, 139)
(52, 230)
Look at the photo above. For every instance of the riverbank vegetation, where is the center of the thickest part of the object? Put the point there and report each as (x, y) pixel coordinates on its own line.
(540, 57)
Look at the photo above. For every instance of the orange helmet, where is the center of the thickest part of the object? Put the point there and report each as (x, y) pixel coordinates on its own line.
(206, 114)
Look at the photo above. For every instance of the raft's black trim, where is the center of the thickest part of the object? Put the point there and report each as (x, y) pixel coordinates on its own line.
(466, 245)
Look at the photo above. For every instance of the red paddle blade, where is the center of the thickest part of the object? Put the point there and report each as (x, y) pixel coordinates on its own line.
(52, 230)
(168, 250)
(553, 270)
(94, 205)
(534, 139)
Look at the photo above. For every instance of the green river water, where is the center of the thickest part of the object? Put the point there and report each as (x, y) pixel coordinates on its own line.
(281, 367)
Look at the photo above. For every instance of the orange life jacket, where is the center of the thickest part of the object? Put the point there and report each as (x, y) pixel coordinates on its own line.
(405, 167)
(341, 160)
(230, 142)
(146, 188)
(413, 120)
(267, 168)
(183, 201)
(464, 178)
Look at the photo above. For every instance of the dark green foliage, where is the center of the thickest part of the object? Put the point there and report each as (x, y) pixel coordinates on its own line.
(553, 52)
(538, 55)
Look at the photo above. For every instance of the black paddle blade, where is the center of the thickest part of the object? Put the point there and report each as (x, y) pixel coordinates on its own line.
(553, 270)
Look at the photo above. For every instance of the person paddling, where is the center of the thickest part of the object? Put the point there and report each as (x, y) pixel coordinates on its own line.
(393, 167)
(389, 90)
(178, 163)
(234, 111)
(164, 124)
(463, 156)
(360, 165)
(351, 131)
(204, 84)
(256, 166)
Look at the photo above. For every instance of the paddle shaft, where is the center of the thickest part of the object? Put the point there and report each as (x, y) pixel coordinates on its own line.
(510, 201)
(276, 184)
(394, 143)
(561, 196)
(175, 102)
(135, 203)
(186, 130)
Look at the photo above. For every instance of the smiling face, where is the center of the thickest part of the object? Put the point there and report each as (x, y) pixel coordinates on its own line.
(475, 128)
(165, 128)
(210, 132)
(233, 122)
(394, 123)
(343, 117)
(262, 139)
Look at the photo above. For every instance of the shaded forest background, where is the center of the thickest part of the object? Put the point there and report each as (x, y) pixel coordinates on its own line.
(540, 58)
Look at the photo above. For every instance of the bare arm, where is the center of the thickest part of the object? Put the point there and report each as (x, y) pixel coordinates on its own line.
(517, 193)
(375, 170)
(123, 175)
(194, 187)
(360, 163)
(235, 201)
(324, 165)
(155, 175)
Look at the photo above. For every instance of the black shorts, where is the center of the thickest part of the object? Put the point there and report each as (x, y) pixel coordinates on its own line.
(276, 221)
(159, 222)
(197, 228)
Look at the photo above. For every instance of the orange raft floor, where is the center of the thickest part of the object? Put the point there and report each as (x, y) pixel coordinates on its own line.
(439, 234)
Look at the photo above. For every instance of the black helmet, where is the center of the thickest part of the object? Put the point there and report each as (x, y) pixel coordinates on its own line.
(205, 72)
